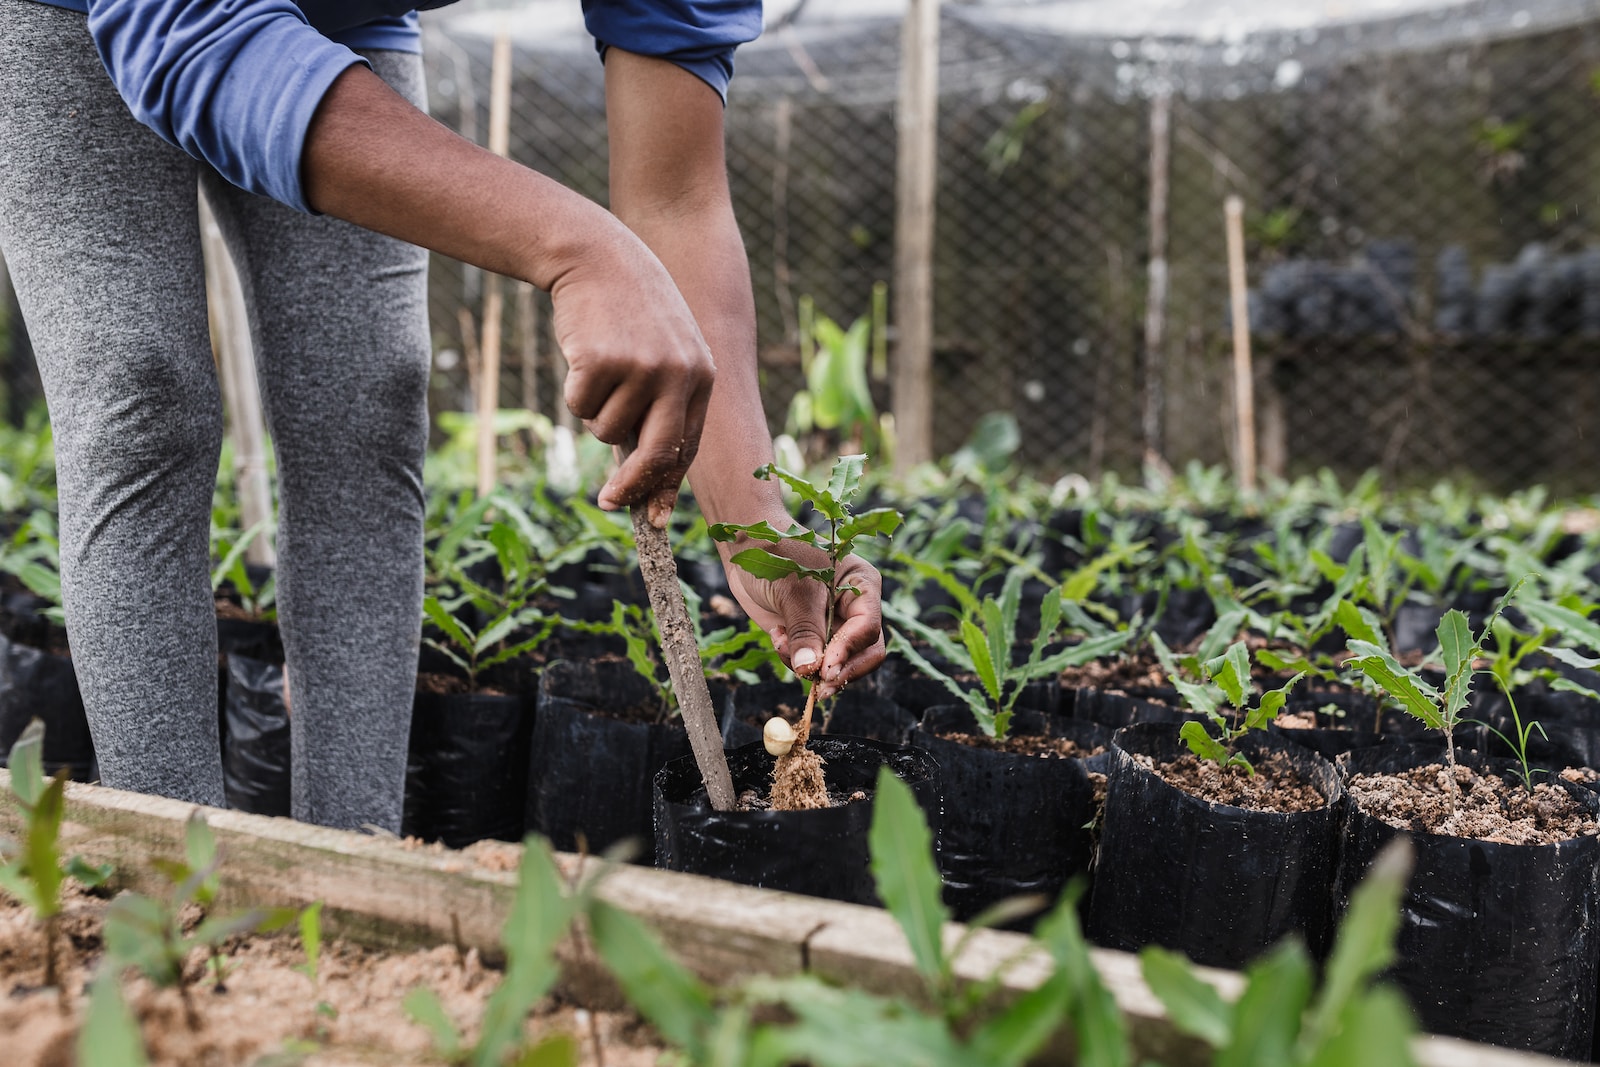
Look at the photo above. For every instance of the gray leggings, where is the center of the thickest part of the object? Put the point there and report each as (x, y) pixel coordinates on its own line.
(98, 225)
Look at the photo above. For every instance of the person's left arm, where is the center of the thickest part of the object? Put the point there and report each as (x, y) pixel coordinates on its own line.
(669, 186)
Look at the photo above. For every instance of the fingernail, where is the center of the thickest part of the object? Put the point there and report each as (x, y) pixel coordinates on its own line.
(805, 658)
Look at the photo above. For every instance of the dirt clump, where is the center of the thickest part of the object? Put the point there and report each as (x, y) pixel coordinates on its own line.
(1276, 786)
(797, 781)
(1489, 808)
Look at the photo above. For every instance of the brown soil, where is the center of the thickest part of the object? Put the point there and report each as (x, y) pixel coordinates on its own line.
(270, 1010)
(1276, 785)
(441, 684)
(1026, 745)
(1489, 809)
(1140, 673)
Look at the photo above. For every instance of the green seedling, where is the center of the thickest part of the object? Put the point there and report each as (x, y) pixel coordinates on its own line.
(516, 624)
(259, 602)
(1439, 708)
(32, 555)
(729, 651)
(1350, 1022)
(540, 915)
(844, 529)
(149, 934)
(1222, 678)
(32, 871)
(988, 636)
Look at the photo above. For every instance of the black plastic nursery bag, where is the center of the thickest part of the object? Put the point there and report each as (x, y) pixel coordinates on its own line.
(821, 853)
(1013, 824)
(1219, 883)
(596, 747)
(35, 684)
(1497, 942)
(467, 770)
(255, 737)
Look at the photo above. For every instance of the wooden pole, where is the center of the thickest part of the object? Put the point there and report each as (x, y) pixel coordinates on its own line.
(1244, 403)
(916, 181)
(1155, 310)
(489, 380)
(241, 393)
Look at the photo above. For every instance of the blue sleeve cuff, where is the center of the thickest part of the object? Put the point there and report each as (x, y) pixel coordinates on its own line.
(698, 35)
(236, 88)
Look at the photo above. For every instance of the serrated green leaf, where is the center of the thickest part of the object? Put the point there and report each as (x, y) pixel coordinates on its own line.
(1455, 643)
(1201, 743)
(845, 479)
(1415, 696)
(1272, 702)
(766, 565)
(1360, 625)
(1231, 673)
(760, 531)
(446, 622)
(1194, 1006)
(878, 522)
(983, 666)
(904, 872)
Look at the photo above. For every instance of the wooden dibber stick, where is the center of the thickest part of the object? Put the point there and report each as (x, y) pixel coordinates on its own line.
(683, 657)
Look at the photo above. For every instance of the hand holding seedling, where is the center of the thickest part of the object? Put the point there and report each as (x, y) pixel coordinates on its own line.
(820, 602)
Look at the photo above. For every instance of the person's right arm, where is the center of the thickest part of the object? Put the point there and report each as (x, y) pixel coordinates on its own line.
(277, 108)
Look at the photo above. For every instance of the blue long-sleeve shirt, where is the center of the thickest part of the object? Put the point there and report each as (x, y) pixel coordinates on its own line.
(236, 82)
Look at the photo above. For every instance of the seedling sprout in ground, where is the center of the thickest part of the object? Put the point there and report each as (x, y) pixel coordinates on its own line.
(798, 781)
(1224, 677)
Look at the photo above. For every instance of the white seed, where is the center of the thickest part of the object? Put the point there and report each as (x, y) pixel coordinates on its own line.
(778, 736)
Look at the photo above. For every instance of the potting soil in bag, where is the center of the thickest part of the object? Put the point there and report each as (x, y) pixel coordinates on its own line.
(1497, 942)
(255, 737)
(1015, 822)
(1217, 882)
(467, 770)
(598, 740)
(858, 711)
(821, 853)
(35, 684)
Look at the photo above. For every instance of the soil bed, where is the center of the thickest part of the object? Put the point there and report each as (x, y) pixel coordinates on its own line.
(751, 800)
(1276, 785)
(1026, 745)
(1490, 808)
(269, 1009)
(1118, 674)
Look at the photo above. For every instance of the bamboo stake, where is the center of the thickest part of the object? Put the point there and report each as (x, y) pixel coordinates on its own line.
(1155, 313)
(241, 392)
(917, 122)
(1244, 404)
(489, 380)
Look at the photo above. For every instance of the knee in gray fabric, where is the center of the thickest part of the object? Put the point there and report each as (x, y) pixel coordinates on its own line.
(149, 414)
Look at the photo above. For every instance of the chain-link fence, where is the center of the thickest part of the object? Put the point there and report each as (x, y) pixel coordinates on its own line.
(1422, 233)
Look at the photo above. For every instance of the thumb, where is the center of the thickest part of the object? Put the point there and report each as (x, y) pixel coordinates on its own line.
(803, 625)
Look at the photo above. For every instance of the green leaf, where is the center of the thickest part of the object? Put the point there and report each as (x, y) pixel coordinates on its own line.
(820, 499)
(1573, 659)
(446, 622)
(200, 851)
(1567, 685)
(27, 763)
(1231, 672)
(1365, 943)
(879, 522)
(1577, 628)
(1193, 1005)
(1202, 744)
(87, 875)
(981, 710)
(657, 986)
(1457, 648)
(760, 531)
(766, 565)
(558, 1050)
(1077, 655)
(423, 1005)
(1271, 703)
(110, 1036)
(983, 665)
(845, 479)
(311, 940)
(1360, 624)
(1416, 696)
(1377, 1029)
(1266, 1019)
(540, 915)
(904, 871)
(1014, 1035)
(494, 633)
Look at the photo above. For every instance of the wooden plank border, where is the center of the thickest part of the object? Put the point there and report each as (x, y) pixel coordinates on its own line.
(378, 892)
